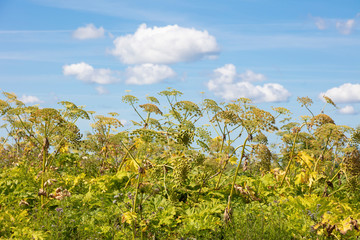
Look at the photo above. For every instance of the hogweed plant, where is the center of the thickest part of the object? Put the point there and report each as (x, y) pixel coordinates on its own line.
(46, 129)
(181, 170)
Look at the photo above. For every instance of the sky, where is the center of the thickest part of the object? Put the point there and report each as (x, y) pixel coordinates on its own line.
(91, 52)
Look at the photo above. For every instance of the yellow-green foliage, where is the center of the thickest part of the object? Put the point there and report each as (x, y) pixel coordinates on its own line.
(182, 171)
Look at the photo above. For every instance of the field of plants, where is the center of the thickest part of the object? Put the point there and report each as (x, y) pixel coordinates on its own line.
(181, 171)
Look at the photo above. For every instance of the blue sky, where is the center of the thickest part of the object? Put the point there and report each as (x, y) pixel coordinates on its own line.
(90, 52)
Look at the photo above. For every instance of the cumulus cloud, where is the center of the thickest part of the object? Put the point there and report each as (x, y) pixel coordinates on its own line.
(148, 74)
(88, 32)
(87, 73)
(346, 93)
(347, 110)
(250, 76)
(229, 85)
(345, 27)
(28, 99)
(101, 90)
(164, 45)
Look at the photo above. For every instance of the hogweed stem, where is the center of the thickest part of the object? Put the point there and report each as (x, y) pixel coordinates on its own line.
(291, 154)
(236, 173)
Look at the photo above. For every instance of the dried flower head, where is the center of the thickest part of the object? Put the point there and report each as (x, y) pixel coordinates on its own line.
(281, 110)
(211, 105)
(41, 192)
(130, 99)
(264, 155)
(50, 182)
(258, 119)
(153, 99)
(151, 108)
(320, 120)
(189, 108)
(23, 203)
(228, 117)
(352, 162)
(305, 101)
(328, 100)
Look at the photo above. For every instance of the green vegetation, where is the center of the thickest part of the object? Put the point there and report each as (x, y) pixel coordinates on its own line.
(170, 176)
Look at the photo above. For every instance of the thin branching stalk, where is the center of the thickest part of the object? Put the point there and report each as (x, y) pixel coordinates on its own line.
(134, 203)
(291, 154)
(323, 152)
(132, 105)
(27, 130)
(309, 110)
(130, 154)
(224, 166)
(236, 173)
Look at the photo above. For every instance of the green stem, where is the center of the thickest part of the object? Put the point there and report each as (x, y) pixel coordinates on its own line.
(124, 158)
(309, 110)
(27, 130)
(134, 204)
(147, 120)
(173, 109)
(220, 151)
(221, 172)
(223, 169)
(133, 158)
(291, 155)
(322, 110)
(138, 113)
(44, 158)
(165, 188)
(323, 152)
(236, 173)
(338, 190)
(335, 175)
(42, 177)
(212, 124)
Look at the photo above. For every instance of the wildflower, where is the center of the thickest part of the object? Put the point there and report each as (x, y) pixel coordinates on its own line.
(129, 195)
(59, 210)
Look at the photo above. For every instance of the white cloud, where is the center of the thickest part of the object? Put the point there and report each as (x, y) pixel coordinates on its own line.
(164, 45)
(320, 23)
(148, 74)
(88, 32)
(230, 85)
(30, 99)
(346, 93)
(87, 73)
(250, 76)
(345, 27)
(347, 110)
(101, 90)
